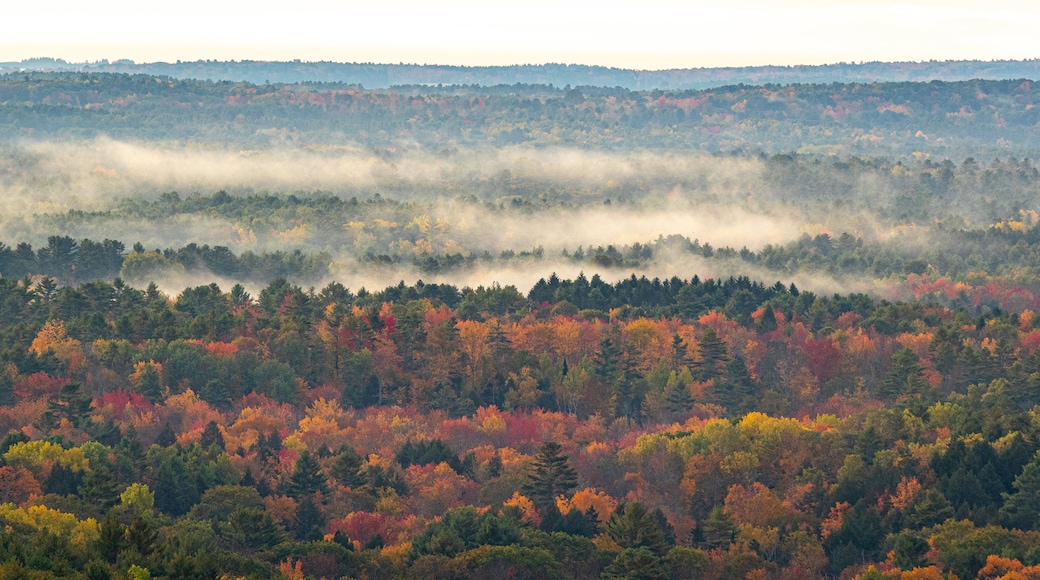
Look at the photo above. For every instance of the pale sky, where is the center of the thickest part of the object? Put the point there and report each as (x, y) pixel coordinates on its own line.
(651, 35)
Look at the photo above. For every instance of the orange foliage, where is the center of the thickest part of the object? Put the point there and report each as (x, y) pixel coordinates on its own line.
(586, 498)
(282, 509)
(52, 337)
(526, 506)
(832, 523)
(906, 492)
(437, 488)
(929, 573)
(998, 568)
(755, 505)
(17, 485)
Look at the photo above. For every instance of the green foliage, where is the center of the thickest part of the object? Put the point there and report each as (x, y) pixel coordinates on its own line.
(636, 564)
(634, 526)
(549, 476)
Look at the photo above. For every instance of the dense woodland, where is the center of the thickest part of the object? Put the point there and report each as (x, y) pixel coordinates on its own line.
(703, 429)
(381, 76)
(946, 118)
(794, 334)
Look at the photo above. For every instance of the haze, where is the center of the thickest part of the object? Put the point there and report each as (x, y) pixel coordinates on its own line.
(465, 32)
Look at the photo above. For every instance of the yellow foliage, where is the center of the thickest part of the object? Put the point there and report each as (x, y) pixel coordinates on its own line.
(53, 337)
(52, 521)
(36, 455)
(422, 222)
(929, 573)
(329, 411)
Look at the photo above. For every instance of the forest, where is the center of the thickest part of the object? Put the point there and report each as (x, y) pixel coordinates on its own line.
(945, 118)
(307, 331)
(382, 76)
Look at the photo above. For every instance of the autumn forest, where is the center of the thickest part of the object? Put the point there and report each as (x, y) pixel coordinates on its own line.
(311, 330)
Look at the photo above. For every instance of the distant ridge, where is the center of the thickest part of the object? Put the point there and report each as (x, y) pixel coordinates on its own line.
(378, 76)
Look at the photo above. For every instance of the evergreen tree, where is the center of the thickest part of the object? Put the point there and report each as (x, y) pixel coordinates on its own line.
(1022, 508)
(70, 404)
(717, 530)
(679, 398)
(909, 551)
(112, 539)
(904, 377)
(549, 476)
(142, 537)
(63, 481)
(633, 526)
(680, 357)
(166, 436)
(98, 488)
(308, 519)
(151, 385)
(712, 356)
(606, 361)
(737, 390)
(211, 436)
(636, 564)
(175, 492)
(307, 478)
(346, 468)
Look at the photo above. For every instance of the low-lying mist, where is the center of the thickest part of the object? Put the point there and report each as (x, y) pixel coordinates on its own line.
(49, 176)
(482, 206)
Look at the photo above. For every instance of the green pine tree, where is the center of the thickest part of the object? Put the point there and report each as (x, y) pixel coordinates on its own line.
(1022, 508)
(634, 526)
(99, 489)
(713, 356)
(717, 530)
(636, 564)
(307, 478)
(211, 436)
(549, 476)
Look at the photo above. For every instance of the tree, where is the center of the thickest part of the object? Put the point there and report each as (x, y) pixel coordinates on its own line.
(712, 356)
(634, 526)
(636, 564)
(142, 537)
(904, 378)
(717, 530)
(111, 539)
(307, 478)
(346, 468)
(211, 436)
(1022, 508)
(550, 475)
(309, 520)
(70, 404)
(909, 550)
(99, 489)
(147, 379)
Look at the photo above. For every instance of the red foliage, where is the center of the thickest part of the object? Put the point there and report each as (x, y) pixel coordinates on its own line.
(119, 400)
(38, 386)
(824, 358)
(521, 429)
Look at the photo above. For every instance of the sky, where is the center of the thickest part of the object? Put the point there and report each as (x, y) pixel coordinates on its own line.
(626, 34)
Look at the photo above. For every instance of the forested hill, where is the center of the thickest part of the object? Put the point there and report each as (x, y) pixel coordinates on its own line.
(942, 118)
(386, 75)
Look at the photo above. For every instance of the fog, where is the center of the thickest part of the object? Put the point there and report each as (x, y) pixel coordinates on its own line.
(572, 198)
(51, 176)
